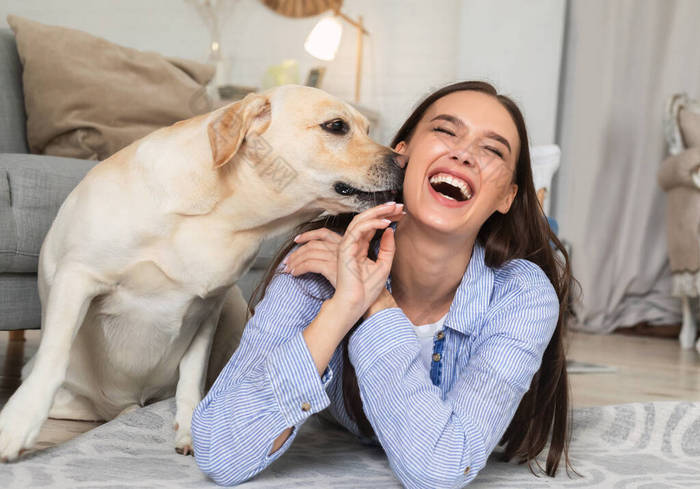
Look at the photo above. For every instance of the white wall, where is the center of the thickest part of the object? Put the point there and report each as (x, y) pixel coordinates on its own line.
(414, 45)
(517, 46)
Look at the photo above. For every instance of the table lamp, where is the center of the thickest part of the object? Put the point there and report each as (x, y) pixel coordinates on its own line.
(324, 39)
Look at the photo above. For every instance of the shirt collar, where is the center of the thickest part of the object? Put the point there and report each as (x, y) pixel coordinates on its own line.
(473, 293)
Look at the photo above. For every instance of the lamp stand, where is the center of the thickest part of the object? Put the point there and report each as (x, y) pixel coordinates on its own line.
(361, 31)
(358, 69)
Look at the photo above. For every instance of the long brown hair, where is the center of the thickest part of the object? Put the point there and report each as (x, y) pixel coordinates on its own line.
(522, 232)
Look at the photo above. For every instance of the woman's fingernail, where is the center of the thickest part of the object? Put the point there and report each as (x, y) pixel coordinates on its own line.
(389, 203)
(297, 236)
(388, 221)
(403, 212)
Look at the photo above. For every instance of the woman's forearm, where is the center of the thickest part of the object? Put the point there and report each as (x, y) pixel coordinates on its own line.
(326, 331)
(322, 336)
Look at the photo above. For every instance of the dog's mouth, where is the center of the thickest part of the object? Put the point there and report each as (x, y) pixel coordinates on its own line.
(378, 196)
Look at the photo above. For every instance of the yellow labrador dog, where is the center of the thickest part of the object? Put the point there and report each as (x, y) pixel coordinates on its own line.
(144, 253)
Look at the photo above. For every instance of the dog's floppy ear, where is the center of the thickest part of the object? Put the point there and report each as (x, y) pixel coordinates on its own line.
(228, 131)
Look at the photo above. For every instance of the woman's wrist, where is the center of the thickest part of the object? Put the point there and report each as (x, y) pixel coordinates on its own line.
(384, 301)
(344, 315)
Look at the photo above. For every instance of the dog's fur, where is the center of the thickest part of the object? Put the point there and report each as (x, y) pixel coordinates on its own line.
(144, 254)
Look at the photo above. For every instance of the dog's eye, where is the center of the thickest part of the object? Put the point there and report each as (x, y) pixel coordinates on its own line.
(336, 126)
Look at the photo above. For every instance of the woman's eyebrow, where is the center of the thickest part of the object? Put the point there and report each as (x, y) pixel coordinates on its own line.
(458, 122)
(499, 138)
(449, 118)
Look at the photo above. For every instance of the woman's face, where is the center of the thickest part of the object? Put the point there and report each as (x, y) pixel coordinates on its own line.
(462, 155)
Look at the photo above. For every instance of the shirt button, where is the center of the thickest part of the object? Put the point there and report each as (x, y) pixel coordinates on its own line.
(436, 357)
(466, 471)
(306, 406)
(440, 335)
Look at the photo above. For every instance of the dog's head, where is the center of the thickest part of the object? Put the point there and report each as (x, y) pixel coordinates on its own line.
(307, 148)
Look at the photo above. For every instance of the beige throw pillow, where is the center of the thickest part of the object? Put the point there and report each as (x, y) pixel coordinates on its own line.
(87, 98)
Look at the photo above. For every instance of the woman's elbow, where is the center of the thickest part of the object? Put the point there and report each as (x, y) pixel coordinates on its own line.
(430, 480)
(226, 469)
(431, 473)
(226, 478)
(221, 458)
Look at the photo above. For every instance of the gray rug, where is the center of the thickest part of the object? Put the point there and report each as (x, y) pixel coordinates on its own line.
(641, 445)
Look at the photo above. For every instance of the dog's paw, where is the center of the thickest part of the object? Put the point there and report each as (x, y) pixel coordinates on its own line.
(19, 428)
(183, 442)
(183, 428)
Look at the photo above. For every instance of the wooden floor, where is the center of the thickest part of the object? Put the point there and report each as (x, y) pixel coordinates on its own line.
(649, 369)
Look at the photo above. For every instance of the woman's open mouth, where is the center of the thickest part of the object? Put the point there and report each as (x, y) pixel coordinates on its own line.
(450, 190)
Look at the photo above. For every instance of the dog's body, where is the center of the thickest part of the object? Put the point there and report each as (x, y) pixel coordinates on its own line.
(144, 254)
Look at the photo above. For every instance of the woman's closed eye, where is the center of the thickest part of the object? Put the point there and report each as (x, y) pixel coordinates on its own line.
(495, 151)
(442, 129)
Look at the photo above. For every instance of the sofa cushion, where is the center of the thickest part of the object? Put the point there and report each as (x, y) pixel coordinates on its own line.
(13, 137)
(269, 249)
(88, 98)
(19, 301)
(32, 188)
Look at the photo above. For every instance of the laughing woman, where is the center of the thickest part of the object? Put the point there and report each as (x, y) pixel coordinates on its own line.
(434, 326)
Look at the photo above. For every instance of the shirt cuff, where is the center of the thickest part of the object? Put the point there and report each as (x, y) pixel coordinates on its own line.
(377, 335)
(299, 390)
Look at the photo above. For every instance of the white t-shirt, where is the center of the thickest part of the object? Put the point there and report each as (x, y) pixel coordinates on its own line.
(426, 336)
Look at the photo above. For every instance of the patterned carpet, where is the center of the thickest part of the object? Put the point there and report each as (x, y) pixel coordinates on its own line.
(641, 445)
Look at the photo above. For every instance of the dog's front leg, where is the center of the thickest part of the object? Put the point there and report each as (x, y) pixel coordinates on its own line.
(190, 386)
(72, 291)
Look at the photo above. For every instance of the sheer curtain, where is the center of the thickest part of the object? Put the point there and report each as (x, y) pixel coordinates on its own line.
(622, 60)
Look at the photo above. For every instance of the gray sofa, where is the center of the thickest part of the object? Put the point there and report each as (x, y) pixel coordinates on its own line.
(32, 188)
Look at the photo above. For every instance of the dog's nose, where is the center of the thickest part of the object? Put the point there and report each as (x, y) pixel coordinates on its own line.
(400, 160)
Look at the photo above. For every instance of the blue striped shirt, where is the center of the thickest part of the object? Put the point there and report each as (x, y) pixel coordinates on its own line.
(436, 427)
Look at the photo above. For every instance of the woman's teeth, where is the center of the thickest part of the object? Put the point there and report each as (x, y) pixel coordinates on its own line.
(464, 189)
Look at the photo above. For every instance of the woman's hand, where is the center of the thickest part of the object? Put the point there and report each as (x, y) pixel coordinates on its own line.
(318, 254)
(343, 259)
(360, 279)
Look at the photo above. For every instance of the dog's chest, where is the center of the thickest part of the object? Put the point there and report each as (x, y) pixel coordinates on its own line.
(204, 257)
(147, 293)
(147, 322)
(160, 301)
(176, 287)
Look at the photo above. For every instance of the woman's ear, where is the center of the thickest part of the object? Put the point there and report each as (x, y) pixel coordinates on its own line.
(508, 199)
(400, 147)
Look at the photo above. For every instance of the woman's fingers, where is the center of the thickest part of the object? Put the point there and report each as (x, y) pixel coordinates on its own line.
(322, 237)
(320, 233)
(363, 231)
(316, 265)
(322, 251)
(385, 255)
(384, 210)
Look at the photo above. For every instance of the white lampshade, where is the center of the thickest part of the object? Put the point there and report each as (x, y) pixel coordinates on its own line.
(323, 41)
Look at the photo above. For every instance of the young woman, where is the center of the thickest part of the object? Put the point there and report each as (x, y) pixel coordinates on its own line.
(434, 326)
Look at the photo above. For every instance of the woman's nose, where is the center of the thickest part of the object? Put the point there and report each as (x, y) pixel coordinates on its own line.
(463, 156)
